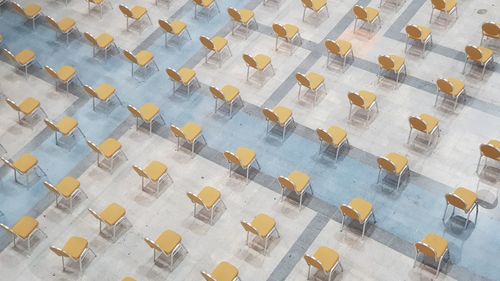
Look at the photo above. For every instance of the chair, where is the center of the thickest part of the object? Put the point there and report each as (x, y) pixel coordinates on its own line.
(258, 62)
(243, 157)
(190, 133)
(24, 229)
(490, 150)
(142, 59)
(325, 260)
(279, 115)
(364, 100)
(208, 198)
(479, 55)
(433, 246)
(128, 278)
(103, 93)
(491, 30)
(109, 150)
(339, 48)
(450, 87)
(30, 12)
(27, 107)
(391, 63)
(168, 243)
(23, 59)
(217, 45)
(228, 95)
(366, 15)
(155, 172)
(65, 26)
(176, 28)
(136, 13)
(65, 75)
(242, 17)
(393, 163)
(185, 76)
(418, 33)
(311, 81)
(262, 226)
(334, 136)
(68, 188)
(222, 272)
(358, 210)
(426, 124)
(98, 3)
(316, 6)
(296, 182)
(147, 113)
(463, 199)
(66, 127)
(75, 249)
(23, 166)
(112, 216)
(287, 33)
(444, 7)
(103, 42)
(205, 4)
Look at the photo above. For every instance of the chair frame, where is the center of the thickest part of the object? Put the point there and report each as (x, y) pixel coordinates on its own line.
(99, 5)
(474, 206)
(372, 214)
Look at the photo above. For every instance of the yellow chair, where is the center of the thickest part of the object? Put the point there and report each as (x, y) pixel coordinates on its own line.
(66, 127)
(27, 107)
(242, 17)
(491, 30)
(217, 45)
(391, 63)
(279, 115)
(65, 26)
(128, 278)
(30, 12)
(358, 210)
(287, 33)
(228, 95)
(444, 7)
(312, 81)
(103, 93)
(147, 113)
(23, 59)
(259, 62)
(190, 133)
(68, 188)
(98, 3)
(479, 55)
(433, 246)
(224, 271)
(112, 216)
(297, 182)
(65, 75)
(155, 172)
(490, 150)
(339, 48)
(316, 6)
(325, 260)
(243, 157)
(262, 226)
(334, 136)
(185, 76)
(205, 4)
(136, 13)
(24, 166)
(75, 249)
(176, 28)
(420, 34)
(450, 87)
(208, 198)
(142, 59)
(463, 199)
(109, 149)
(168, 243)
(103, 42)
(366, 15)
(364, 100)
(393, 163)
(424, 123)
(24, 229)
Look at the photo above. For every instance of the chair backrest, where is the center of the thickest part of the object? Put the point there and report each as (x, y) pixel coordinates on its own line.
(307, 3)
(454, 200)
(286, 183)
(232, 158)
(7, 162)
(135, 112)
(207, 42)
(439, 4)
(249, 227)
(312, 261)
(152, 244)
(489, 151)
(386, 62)
(473, 53)
(58, 251)
(355, 99)
(359, 12)
(491, 29)
(425, 249)
(51, 125)
(130, 56)
(234, 14)
(18, 8)
(6, 228)
(444, 85)
(194, 198)
(125, 10)
(413, 31)
(172, 73)
(51, 72)
(96, 215)
(140, 171)
(302, 79)
(216, 93)
(94, 147)
(9, 55)
(249, 60)
(90, 38)
(417, 123)
(165, 25)
(347, 210)
(279, 30)
(12, 104)
(51, 187)
(270, 115)
(52, 22)
(198, 2)
(324, 135)
(177, 131)
(332, 47)
(90, 91)
(386, 164)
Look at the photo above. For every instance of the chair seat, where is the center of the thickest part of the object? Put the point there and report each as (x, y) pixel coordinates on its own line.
(191, 131)
(110, 147)
(399, 62)
(105, 91)
(25, 57)
(219, 43)
(66, 24)
(178, 27)
(246, 156)
(138, 12)
(264, 224)
(97, 2)
(75, 247)
(371, 14)
(315, 80)
(67, 125)
(144, 58)
(246, 15)
(225, 272)
(458, 86)
(368, 98)
(284, 114)
(362, 207)
(209, 196)
(469, 197)
(155, 170)
(25, 226)
(399, 161)
(300, 180)
(436, 242)
(344, 47)
(230, 93)
(29, 105)
(25, 163)
(187, 75)
(104, 40)
(318, 4)
(430, 121)
(337, 134)
(149, 111)
(449, 5)
(67, 186)
(32, 10)
(112, 214)
(487, 54)
(66, 73)
(168, 241)
(327, 257)
(291, 31)
(262, 61)
(425, 32)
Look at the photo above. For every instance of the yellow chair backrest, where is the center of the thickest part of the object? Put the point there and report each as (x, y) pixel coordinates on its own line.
(386, 164)
(355, 99)
(207, 276)
(51, 125)
(207, 43)
(270, 115)
(386, 62)
(140, 171)
(249, 60)
(413, 31)
(12, 104)
(307, 3)
(347, 210)
(286, 183)
(165, 25)
(194, 198)
(94, 147)
(324, 135)
(425, 249)
(454, 200)
(59, 251)
(249, 227)
(439, 4)
(50, 187)
(491, 28)
(19, 9)
(7, 162)
(417, 123)
(332, 46)
(312, 261)
(90, 91)
(473, 52)
(172, 73)
(9, 55)
(52, 22)
(90, 38)
(177, 131)
(96, 215)
(279, 30)
(130, 56)
(216, 93)
(302, 79)
(232, 158)
(51, 72)
(234, 14)
(444, 85)
(125, 10)
(489, 151)
(134, 111)
(152, 244)
(359, 12)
